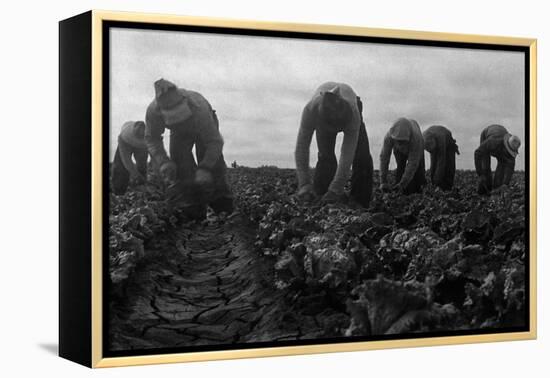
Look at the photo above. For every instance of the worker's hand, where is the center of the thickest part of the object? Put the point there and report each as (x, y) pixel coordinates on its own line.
(330, 197)
(203, 177)
(384, 187)
(168, 172)
(399, 188)
(501, 189)
(137, 178)
(306, 193)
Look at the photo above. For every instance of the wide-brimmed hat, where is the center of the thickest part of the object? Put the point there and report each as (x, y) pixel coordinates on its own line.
(512, 144)
(129, 134)
(172, 103)
(401, 130)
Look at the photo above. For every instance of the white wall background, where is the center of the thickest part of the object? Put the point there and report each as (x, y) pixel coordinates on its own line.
(29, 241)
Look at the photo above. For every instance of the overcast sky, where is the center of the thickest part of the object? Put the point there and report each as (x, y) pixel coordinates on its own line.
(259, 86)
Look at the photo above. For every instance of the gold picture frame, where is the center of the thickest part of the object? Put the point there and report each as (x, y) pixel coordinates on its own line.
(93, 23)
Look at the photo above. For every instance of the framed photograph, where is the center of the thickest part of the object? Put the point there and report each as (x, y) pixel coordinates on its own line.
(234, 189)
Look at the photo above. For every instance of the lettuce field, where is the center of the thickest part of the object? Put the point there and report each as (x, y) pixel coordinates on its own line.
(280, 270)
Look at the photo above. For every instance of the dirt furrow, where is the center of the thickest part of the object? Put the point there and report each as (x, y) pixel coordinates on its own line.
(202, 285)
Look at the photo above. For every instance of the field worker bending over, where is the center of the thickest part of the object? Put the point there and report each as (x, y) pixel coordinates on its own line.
(334, 108)
(439, 142)
(495, 141)
(192, 122)
(131, 142)
(405, 140)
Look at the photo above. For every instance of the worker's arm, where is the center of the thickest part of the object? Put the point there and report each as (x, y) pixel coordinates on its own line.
(482, 157)
(347, 153)
(125, 152)
(439, 174)
(509, 171)
(303, 143)
(209, 135)
(416, 152)
(433, 164)
(154, 130)
(385, 155)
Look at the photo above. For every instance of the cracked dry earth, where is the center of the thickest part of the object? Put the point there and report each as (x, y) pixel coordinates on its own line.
(203, 285)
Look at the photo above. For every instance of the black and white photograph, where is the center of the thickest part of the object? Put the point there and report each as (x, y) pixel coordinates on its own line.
(280, 189)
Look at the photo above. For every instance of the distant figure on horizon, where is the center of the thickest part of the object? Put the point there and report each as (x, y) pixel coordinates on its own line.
(497, 142)
(439, 142)
(131, 142)
(192, 122)
(234, 164)
(405, 140)
(334, 108)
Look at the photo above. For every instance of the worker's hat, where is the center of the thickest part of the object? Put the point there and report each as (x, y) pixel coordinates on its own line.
(172, 102)
(401, 130)
(132, 132)
(512, 144)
